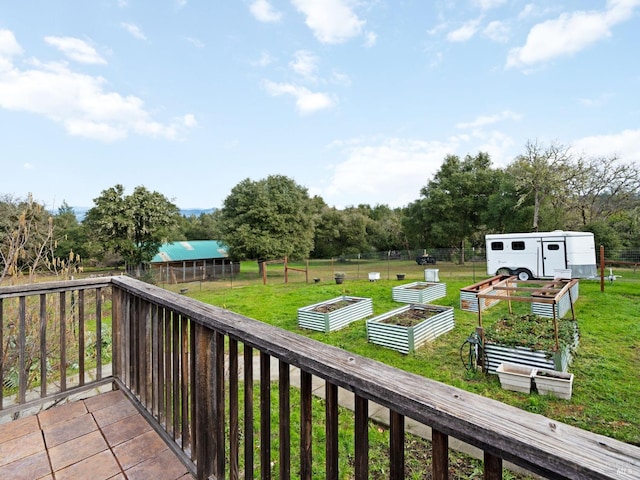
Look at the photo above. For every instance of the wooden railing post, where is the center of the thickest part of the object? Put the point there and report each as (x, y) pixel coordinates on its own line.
(234, 428)
(331, 398)
(396, 449)
(284, 392)
(218, 433)
(204, 402)
(492, 467)
(440, 447)
(248, 412)
(265, 416)
(362, 438)
(306, 422)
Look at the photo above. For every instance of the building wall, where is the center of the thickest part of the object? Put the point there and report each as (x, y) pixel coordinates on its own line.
(194, 270)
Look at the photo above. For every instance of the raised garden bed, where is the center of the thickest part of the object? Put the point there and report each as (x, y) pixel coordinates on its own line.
(406, 328)
(562, 307)
(419, 292)
(469, 295)
(334, 314)
(529, 340)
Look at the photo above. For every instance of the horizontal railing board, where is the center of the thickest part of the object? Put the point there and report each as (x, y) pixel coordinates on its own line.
(53, 287)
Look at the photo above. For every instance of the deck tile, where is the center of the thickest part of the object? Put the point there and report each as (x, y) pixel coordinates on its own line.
(98, 467)
(139, 449)
(61, 413)
(104, 400)
(18, 428)
(114, 413)
(76, 450)
(159, 467)
(27, 468)
(21, 447)
(126, 429)
(62, 432)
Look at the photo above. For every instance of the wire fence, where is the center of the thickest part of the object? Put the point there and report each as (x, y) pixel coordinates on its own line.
(392, 264)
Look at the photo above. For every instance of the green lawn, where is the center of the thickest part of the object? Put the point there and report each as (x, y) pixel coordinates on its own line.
(606, 385)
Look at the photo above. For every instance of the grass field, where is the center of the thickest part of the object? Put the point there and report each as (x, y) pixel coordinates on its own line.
(606, 385)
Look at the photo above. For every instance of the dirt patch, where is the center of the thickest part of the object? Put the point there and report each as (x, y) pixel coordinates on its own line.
(332, 307)
(410, 318)
(422, 286)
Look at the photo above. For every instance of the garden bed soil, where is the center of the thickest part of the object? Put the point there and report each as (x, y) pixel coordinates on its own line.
(332, 307)
(410, 317)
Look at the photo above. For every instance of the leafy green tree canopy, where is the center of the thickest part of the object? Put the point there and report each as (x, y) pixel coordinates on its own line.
(454, 199)
(133, 226)
(267, 219)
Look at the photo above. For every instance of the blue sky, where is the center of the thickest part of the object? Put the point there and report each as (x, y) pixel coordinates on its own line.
(357, 100)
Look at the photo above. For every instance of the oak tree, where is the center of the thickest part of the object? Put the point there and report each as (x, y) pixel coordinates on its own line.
(133, 226)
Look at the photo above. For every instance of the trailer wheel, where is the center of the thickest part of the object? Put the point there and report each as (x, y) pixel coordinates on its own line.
(523, 274)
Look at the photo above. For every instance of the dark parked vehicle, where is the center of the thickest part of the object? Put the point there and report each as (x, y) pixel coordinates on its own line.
(426, 260)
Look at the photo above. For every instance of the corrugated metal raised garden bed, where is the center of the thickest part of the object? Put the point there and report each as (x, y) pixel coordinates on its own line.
(334, 314)
(406, 328)
(562, 307)
(529, 340)
(419, 292)
(469, 295)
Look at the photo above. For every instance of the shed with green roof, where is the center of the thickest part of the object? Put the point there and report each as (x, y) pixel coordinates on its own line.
(193, 260)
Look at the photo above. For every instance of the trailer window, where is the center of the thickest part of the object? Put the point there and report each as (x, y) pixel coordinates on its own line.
(497, 246)
(553, 246)
(517, 245)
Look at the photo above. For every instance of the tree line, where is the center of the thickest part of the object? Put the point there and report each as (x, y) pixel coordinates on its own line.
(546, 188)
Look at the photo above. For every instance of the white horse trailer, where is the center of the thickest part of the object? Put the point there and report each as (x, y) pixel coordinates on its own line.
(542, 254)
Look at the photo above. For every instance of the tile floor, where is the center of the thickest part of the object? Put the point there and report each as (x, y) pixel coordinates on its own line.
(99, 438)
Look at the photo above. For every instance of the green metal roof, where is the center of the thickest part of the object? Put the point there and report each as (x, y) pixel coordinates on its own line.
(191, 250)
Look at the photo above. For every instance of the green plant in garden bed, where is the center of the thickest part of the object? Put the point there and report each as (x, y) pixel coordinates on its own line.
(531, 331)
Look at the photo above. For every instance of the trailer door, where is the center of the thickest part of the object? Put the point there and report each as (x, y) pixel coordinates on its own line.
(554, 257)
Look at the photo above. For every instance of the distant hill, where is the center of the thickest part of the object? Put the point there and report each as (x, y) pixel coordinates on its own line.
(196, 212)
(186, 212)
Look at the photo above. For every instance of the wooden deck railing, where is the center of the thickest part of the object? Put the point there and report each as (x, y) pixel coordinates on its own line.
(189, 367)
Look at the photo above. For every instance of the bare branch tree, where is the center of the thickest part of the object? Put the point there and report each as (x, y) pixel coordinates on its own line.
(603, 187)
(543, 173)
(25, 231)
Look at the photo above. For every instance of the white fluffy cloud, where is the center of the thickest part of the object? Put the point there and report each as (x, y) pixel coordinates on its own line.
(332, 21)
(390, 172)
(489, 4)
(497, 31)
(76, 49)
(465, 32)
(484, 120)
(306, 100)
(626, 145)
(263, 11)
(569, 33)
(134, 30)
(370, 39)
(305, 64)
(80, 103)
